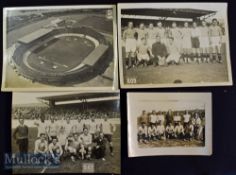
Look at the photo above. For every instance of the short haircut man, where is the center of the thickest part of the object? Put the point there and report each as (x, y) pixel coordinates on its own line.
(20, 134)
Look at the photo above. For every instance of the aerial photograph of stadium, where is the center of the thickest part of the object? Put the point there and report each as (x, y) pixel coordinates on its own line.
(173, 45)
(76, 132)
(59, 47)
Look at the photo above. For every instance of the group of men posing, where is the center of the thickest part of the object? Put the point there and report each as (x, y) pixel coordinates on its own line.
(164, 125)
(168, 45)
(82, 139)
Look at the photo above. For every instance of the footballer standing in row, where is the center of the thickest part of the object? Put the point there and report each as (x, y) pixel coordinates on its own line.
(197, 41)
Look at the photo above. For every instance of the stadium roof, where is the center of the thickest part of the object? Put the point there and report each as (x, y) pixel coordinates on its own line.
(34, 35)
(169, 12)
(77, 96)
(94, 56)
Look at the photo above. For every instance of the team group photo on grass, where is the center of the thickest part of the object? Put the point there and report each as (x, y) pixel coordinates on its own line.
(171, 128)
(61, 135)
(173, 45)
(169, 123)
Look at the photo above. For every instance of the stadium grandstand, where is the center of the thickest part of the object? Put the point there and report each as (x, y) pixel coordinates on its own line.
(73, 105)
(167, 15)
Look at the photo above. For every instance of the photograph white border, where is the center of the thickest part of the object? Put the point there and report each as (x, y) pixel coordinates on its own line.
(121, 6)
(115, 84)
(133, 149)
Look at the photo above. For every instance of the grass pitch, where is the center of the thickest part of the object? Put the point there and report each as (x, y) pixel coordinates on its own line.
(185, 73)
(111, 165)
(172, 143)
(51, 56)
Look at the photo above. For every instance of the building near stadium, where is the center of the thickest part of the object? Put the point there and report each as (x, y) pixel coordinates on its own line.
(60, 47)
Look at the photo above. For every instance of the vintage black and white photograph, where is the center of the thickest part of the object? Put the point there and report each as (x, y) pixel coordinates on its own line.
(169, 123)
(65, 133)
(173, 45)
(60, 48)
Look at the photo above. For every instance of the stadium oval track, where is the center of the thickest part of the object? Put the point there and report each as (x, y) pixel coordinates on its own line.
(93, 61)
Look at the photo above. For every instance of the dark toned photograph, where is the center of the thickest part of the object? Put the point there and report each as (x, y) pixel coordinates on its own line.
(65, 133)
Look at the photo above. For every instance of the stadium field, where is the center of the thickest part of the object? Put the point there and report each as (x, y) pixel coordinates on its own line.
(111, 165)
(51, 55)
(172, 143)
(185, 73)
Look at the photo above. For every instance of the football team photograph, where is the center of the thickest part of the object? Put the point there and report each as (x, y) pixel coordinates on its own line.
(59, 48)
(171, 128)
(169, 123)
(66, 132)
(182, 44)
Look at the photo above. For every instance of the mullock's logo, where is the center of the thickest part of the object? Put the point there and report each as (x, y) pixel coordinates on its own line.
(30, 161)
